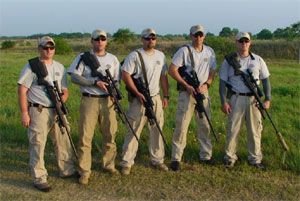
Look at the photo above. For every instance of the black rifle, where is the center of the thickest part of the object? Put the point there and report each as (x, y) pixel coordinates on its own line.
(148, 104)
(192, 79)
(116, 95)
(251, 83)
(61, 111)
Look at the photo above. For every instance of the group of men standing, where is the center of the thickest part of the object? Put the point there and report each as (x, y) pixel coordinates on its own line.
(149, 65)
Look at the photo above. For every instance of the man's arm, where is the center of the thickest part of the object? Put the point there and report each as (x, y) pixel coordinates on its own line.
(22, 95)
(226, 108)
(173, 71)
(131, 86)
(267, 92)
(204, 87)
(165, 88)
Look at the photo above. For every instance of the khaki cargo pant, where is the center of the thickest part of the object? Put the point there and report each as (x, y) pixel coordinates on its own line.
(137, 118)
(93, 110)
(185, 109)
(243, 108)
(41, 123)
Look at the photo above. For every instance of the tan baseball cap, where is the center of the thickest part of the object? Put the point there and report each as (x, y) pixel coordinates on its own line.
(97, 33)
(196, 28)
(46, 41)
(243, 35)
(147, 32)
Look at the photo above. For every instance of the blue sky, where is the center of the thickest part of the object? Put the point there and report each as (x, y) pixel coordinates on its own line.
(27, 17)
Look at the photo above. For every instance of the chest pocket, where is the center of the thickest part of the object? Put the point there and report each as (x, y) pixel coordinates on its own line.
(254, 67)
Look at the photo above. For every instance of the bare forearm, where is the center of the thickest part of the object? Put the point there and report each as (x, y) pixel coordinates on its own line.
(165, 85)
(22, 94)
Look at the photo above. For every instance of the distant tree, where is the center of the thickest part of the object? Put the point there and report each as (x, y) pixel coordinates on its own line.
(8, 44)
(210, 34)
(123, 35)
(265, 34)
(225, 32)
(279, 33)
(234, 31)
(290, 32)
(62, 47)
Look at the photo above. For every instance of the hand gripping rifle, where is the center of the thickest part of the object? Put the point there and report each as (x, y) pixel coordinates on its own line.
(192, 79)
(116, 95)
(61, 111)
(148, 104)
(251, 83)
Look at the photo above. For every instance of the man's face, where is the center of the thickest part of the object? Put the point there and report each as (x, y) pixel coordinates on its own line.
(198, 38)
(47, 51)
(149, 42)
(243, 44)
(99, 43)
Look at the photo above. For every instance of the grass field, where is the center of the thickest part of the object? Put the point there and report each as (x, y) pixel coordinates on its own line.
(194, 182)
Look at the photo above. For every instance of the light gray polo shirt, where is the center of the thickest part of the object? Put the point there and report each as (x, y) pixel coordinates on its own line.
(204, 61)
(38, 93)
(108, 61)
(257, 66)
(155, 66)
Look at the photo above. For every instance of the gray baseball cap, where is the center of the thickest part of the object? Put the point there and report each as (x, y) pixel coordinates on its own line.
(196, 28)
(97, 33)
(46, 41)
(147, 32)
(243, 35)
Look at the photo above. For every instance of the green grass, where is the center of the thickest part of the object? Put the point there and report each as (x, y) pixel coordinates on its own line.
(194, 182)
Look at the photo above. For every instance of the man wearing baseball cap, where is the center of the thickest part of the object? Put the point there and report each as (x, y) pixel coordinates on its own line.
(148, 64)
(95, 106)
(239, 103)
(39, 116)
(201, 59)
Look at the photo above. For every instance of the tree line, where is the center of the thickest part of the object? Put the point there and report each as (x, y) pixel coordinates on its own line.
(125, 34)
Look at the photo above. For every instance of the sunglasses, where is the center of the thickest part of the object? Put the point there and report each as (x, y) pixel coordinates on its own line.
(198, 34)
(150, 38)
(243, 41)
(102, 38)
(46, 48)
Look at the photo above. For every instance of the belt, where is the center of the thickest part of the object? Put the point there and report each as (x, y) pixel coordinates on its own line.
(95, 96)
(243, 94)
(37, 105)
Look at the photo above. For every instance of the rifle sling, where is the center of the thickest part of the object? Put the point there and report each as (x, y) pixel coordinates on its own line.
(143, 69)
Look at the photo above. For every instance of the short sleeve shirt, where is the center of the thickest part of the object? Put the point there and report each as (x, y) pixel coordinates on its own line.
(108, 61)
(38, 93)
(155, 66)
(257, 66)
(204, 61)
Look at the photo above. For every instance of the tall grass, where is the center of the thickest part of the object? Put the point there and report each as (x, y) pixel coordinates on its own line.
(195, 180)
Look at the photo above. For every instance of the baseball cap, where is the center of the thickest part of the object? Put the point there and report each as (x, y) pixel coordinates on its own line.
(46, 41)
(147, 32)
(97, 33)
(196, 28)
(242, 35)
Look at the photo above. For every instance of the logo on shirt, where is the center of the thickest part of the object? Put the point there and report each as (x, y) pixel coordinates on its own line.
(158, 62)
(57, 74)
(108, 66)
(205, 59)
